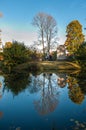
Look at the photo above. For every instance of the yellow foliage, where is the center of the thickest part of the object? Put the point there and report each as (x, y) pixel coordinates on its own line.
(76, 95)
(8, 44)
(74, 36)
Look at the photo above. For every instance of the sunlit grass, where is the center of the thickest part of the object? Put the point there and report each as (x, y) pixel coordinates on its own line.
(59, 65)
(48, 66)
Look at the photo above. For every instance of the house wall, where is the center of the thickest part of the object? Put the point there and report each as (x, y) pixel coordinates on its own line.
(61, 52)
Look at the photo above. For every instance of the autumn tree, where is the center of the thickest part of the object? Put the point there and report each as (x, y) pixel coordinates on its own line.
(74, 36)
(8, 44)
(47, 29)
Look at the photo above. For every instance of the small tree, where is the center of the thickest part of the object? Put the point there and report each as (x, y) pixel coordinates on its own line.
(15, 54)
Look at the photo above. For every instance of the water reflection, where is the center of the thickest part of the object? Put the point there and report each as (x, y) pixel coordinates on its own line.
(35, 84)
(1, 114)
(17, 82)
(62, 80)
(2, 87)
(75, 92)
(0, 90)
(47, 84)
(48, 97)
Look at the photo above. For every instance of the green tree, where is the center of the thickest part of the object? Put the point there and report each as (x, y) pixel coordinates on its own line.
(17, 82)
(80, 55)
(74, 36)
(15, 54)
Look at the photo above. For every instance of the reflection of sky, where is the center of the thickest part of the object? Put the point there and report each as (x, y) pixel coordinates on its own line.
(19, 111)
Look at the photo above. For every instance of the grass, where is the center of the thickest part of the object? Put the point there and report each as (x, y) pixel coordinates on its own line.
(49, 65)
(59, 65)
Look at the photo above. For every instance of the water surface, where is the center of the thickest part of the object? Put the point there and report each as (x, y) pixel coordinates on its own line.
(45, 101)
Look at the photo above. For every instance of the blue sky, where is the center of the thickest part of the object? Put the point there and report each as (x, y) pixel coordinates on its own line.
(18, 15)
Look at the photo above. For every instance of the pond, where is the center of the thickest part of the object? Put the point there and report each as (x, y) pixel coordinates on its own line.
(44, 101)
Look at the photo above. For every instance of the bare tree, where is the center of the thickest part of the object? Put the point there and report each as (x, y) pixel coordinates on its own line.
(47, 29)
(39, 21)
(50, 31)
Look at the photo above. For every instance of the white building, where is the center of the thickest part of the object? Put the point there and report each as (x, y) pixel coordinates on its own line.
(61, 52)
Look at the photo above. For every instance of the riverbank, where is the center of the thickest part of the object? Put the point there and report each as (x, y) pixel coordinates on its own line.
(49, 65)
(59, 65)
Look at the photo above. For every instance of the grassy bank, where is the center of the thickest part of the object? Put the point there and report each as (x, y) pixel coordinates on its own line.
(49, 65)
(59, 65)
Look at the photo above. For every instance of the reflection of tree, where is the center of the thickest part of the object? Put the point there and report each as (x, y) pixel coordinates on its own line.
(72, 81)
(82, 84)
(1, 114)
(75, 92)
(82, 81)
(48, 100)
(61, 80)
(17, 82)
(2, 88)
(35, 84)
(1, 91)
(76, 95)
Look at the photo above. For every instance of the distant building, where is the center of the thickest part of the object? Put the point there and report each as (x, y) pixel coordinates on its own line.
(61, 52)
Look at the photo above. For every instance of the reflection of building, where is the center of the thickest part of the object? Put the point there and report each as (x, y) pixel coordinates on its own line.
(61, 80)
(61, 52)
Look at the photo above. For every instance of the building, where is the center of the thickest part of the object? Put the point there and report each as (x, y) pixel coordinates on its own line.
(61, 52)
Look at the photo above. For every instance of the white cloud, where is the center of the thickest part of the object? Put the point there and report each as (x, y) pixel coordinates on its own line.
(61, 36)
(9, 34)
(62, 39)
(27, 37)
